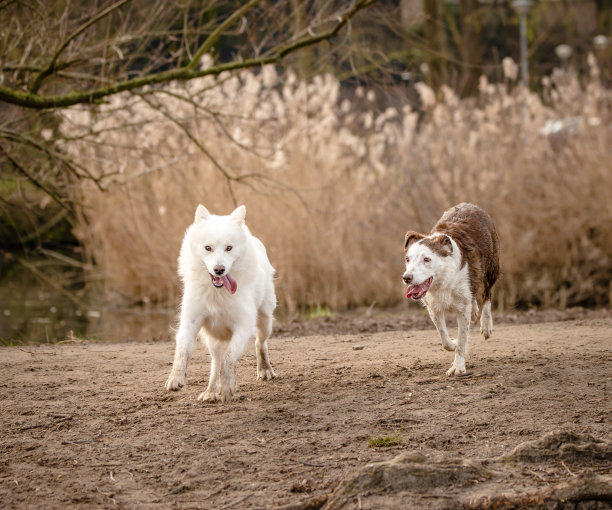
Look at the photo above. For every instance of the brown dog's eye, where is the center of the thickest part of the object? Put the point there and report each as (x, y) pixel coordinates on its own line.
(407, 259)
(229, 248)
(427, 259)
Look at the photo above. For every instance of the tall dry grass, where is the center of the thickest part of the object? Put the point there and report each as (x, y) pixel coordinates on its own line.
(331, 184)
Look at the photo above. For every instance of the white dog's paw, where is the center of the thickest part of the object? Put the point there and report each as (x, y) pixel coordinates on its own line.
(207, 396)
(225, 394)
(175, 381)
(227, 385)
(265, 374)
(457, 368)
(449, 345)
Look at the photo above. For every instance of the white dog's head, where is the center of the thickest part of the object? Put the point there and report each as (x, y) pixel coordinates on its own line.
(425, 258)
(218, 241)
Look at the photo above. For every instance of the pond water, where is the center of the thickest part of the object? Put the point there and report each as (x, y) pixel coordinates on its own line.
(44, 303)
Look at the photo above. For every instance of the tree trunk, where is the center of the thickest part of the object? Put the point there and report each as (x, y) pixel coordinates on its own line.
(472, 46)
(433, 34)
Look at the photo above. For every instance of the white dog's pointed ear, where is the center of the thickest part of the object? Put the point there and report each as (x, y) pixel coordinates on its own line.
(201, 213)
(239, 214)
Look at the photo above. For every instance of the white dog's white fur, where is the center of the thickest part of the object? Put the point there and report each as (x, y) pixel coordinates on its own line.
(228, 298)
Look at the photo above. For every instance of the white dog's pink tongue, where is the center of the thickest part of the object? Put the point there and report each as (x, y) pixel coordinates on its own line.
(229, 283)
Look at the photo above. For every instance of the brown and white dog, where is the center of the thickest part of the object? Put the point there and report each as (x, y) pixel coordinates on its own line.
(453, 268)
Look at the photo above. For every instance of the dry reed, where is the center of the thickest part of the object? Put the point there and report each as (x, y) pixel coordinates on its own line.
(331, 187)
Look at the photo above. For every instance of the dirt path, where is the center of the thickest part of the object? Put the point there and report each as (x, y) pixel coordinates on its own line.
(91, 425)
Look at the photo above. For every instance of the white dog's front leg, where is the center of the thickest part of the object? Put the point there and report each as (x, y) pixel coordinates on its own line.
(238, 343)
(463, 323)
(437, 317)
(190, 323)
(217, 349)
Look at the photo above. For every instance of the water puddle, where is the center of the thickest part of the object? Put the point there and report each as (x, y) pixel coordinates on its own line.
(42, 303)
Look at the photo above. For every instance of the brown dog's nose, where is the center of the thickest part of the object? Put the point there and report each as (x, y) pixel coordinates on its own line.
(219, 270)
(408, 278)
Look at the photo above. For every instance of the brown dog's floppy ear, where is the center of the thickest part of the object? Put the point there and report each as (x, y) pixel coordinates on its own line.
(411, 237)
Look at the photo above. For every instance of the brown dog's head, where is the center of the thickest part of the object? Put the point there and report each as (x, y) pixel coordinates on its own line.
(425, 256)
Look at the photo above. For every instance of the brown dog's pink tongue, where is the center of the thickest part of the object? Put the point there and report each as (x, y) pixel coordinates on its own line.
(229, 283)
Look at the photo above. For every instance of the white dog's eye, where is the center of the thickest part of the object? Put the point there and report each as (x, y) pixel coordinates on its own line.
(229, 248)
(407, 259)
(208, 248)
(426, 259)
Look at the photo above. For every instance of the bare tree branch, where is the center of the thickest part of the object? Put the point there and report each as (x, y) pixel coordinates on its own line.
(212, 38)
(32, 178)
(4, 5)
(55, 155)
(52, 66)
(36, 101)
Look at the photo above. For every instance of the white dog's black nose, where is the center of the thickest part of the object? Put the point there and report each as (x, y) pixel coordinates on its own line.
(219, 270)
(408, 278)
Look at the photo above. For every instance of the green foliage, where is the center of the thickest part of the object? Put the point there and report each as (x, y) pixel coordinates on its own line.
(385, 441)
(319, 311)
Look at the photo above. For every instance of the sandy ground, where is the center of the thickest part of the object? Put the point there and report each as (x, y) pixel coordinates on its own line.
(90, 425)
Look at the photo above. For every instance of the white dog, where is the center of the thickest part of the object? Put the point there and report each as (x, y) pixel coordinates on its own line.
(228, 295)
(451, 269)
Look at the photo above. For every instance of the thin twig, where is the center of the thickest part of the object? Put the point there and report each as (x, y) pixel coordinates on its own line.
(72, 165)
(34, 180)
(64, 258)
(50, 282)
(603, 469)
(212, 38)
(242, 179)
(81, 441)
(237, 502)
(48, 225)
(537, 475)
(6, 4)
(228, 177)
(213, 114)
(178, 490)
(52, 65)
(38, 352)
(311, 464)
(30, 427)
(568, 469)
